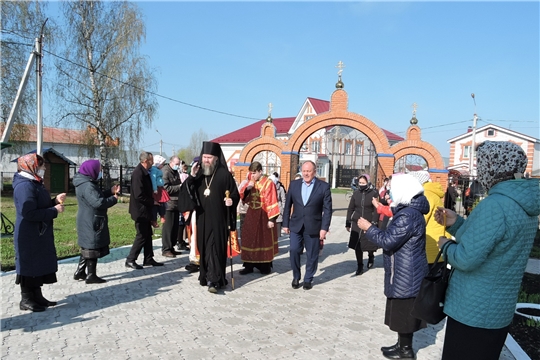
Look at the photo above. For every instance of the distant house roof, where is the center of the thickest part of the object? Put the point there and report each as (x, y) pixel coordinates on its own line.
(51, 150)
(320, 106)
(28, 133)
(253, 131)
(499, 128)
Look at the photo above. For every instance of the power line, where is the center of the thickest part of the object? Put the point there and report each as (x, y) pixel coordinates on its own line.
(153, 93)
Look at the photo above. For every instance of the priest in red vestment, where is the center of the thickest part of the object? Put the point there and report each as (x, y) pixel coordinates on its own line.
(259, 234)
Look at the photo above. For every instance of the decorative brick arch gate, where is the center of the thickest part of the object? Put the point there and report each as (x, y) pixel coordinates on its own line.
(288, 150)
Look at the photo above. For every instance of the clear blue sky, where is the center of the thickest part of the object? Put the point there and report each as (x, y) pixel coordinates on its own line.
(236, 57)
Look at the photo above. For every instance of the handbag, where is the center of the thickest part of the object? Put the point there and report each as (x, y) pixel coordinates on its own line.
(429, 302)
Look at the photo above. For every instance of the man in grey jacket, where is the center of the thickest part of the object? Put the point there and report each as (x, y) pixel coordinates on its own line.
(171, 183)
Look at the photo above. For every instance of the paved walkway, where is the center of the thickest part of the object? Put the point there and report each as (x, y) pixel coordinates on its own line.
(163, 313)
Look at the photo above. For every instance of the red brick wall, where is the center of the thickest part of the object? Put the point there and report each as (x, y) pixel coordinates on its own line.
(339, 115)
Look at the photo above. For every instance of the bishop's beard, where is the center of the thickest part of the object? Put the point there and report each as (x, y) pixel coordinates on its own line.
(209, 169)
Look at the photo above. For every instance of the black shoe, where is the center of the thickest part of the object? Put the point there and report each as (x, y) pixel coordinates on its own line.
(213, 288)
(371, 261)
(191, 268)
(307, 285)
(94, 279)
(40, 300)
(28, 302)
(390, 348)
(79, 276)
(402, 352)
(182, 245)
(176, 252)
(296, 284)
(152, 262)
(359, 271)
(31, 305)
(245, 271)
(133, 265)
(80, 273)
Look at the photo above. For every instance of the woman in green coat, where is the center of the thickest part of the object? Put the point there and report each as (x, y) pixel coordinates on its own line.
(490, 254)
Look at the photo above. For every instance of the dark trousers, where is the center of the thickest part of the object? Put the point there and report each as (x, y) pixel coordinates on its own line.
(143, 240)
(169, 234)
(463, 342)
(311, 243)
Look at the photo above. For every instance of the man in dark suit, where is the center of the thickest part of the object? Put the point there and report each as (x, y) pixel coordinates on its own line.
(309, 221)
(141, 202)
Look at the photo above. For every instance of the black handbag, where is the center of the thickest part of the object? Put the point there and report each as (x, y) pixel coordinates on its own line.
(429, 302)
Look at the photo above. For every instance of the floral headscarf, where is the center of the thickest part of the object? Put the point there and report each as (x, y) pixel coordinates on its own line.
(498, 161)
(29, 164)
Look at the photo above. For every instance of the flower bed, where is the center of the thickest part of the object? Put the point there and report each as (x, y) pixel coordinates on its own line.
(526, 332)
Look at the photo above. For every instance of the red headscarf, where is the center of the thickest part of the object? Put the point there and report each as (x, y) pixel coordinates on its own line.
(29, 163)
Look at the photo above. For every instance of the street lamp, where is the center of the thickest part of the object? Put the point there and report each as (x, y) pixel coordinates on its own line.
(473, 143)
(160, 143)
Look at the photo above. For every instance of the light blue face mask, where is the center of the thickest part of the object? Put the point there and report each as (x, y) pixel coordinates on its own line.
(99, 175)
(175, 167)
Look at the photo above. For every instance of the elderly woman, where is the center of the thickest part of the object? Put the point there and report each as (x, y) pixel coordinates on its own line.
(490, 254)
(92, 221)
(35, 253)
(405, 263)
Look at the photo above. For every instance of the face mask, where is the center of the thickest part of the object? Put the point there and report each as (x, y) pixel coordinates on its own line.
(40, 173)
(175, 167)
(99, 175)
(362, 187)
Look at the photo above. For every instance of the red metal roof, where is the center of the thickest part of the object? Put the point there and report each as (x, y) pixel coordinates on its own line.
(282, 125)
(253, 131)
(392, 136)
(320, 106)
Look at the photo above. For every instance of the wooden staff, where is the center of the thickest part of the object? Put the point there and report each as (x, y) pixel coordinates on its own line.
(227, 194)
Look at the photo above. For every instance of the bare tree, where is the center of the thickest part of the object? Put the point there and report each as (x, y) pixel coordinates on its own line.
(105, 85)
(194, 148)
(21, 23)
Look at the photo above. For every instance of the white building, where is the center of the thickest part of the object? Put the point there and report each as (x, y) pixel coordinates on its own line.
(460, 148)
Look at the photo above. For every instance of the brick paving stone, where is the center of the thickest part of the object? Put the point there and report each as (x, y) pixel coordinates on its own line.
(163, 313)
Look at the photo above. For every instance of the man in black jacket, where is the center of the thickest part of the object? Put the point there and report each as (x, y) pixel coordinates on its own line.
(172, 184)
(141, 202)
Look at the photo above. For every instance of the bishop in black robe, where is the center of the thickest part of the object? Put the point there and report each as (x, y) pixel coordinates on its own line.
(206, 195)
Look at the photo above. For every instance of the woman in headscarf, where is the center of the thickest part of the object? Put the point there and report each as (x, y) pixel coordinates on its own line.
(361, 205)
(35, 253)
(92, 221)
(405, 263)
(489, 254)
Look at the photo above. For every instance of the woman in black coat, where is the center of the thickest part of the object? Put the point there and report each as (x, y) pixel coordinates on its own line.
(35, 253)
(92, 221)
(361, 206)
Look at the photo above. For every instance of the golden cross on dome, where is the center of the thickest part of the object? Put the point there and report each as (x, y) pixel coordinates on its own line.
(340, 66)
(414, 106)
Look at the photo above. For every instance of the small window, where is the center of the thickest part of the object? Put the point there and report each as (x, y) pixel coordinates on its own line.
(348, 149)
(315, 147)
(491, 133)
(466, 151)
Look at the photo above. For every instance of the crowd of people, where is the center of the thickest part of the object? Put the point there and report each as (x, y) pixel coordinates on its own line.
(406, 218)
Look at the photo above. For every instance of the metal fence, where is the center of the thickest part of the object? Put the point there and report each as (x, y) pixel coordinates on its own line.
(117, 175)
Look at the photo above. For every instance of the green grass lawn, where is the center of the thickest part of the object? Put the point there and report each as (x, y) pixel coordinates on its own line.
(65, 233)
